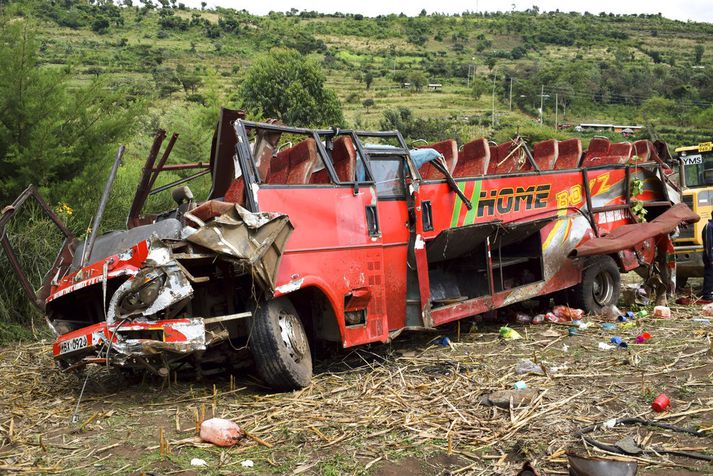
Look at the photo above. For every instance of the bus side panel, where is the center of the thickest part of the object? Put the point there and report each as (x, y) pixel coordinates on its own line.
(331, 245)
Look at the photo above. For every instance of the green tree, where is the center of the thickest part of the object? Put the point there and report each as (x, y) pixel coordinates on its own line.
(367, 103)
(284, 85)
(698, 53)
(418, 80)
(368, 79)
(479, 86)
(58, 137)
(657, 107)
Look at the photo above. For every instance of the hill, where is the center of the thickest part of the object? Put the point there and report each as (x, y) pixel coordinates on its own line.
(599, 68)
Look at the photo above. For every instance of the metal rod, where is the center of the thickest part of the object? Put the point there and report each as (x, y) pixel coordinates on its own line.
(142, 189)
(178, 182)
(163, 160)
(89, 244)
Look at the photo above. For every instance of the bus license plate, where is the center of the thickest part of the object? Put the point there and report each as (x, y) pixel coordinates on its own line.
(74, 344)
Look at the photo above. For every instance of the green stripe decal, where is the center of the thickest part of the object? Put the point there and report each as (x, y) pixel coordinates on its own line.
(474, 199)
(456, 207)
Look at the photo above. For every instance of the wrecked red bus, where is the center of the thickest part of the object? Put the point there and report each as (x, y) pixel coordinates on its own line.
(350, 237)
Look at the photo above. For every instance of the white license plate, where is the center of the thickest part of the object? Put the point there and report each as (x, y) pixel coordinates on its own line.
(74, 344)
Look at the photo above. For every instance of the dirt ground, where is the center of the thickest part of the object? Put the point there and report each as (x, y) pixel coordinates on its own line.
(411, 407)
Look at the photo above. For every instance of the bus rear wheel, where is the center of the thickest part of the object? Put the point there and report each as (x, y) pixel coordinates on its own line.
(600, 286)
(279, 345)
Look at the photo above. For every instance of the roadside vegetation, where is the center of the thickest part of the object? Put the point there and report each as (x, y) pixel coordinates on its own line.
(77, 78)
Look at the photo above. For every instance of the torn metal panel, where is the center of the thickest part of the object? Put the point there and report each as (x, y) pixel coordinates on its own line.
(627, 236)
(256, 240)
(160, 284)
(453, 242)
(181, 336)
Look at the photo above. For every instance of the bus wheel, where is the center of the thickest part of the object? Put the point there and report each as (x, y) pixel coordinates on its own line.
(600, 286)
(279, 345)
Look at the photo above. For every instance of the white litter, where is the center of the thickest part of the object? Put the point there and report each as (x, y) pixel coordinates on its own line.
(605, 346)
(609, 424)
(198, 462)
(248, 463)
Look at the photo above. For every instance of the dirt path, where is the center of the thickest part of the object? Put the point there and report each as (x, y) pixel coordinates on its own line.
(407, 408)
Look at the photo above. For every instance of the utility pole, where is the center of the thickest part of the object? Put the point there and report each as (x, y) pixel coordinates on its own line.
(542, 102)
(510, 93)
(492, 117)
(556, 110)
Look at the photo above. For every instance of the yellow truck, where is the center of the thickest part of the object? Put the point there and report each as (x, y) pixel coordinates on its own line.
(696, 179)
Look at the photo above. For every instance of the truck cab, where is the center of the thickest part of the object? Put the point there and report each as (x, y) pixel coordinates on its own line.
(696, 180)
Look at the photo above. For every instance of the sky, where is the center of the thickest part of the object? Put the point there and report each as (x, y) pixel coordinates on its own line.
(697, 10)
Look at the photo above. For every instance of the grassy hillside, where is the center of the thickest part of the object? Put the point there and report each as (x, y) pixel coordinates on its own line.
(601, 67)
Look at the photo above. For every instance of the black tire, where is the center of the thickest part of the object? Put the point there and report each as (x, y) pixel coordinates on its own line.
(280, 347)
(600, 286)
(681, 283)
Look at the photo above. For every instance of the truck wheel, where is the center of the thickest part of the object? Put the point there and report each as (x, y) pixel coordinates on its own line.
(279, 345)
(600, 286)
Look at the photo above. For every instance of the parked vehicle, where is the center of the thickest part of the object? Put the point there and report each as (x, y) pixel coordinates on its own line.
(345, 236)
(696, 182)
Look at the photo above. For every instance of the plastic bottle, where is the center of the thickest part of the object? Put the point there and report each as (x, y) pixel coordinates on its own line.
(220, 432)
(642, 313)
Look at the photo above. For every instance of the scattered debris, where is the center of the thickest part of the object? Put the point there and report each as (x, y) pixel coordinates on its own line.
(503, 398)
(643, 337)
(581, 466)
(661, 403)
(605, 346)
(248, 463)
(442, 341)
(520, 385)
(662, 312)
(538, 319)
(221, 432)
(509, 333)
(569, 313)
(523, 318)
(628, 446)
(610, 312)
(198, 462)
(527, 366)
(708, 310)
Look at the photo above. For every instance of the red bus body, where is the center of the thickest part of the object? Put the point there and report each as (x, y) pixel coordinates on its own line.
(367, 258)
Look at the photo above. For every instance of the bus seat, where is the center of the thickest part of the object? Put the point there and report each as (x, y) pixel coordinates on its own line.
(343, 159)
(545, 154)
(643, 149)
(449, 150)
(622, 149)
(569, 154)
(598, 147)
(294, 165)
(473, 160)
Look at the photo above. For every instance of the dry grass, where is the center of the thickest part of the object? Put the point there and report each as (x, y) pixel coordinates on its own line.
(402, 407)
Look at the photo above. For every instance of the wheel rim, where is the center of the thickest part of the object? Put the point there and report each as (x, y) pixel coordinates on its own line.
(293, 336)
(603, 288)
